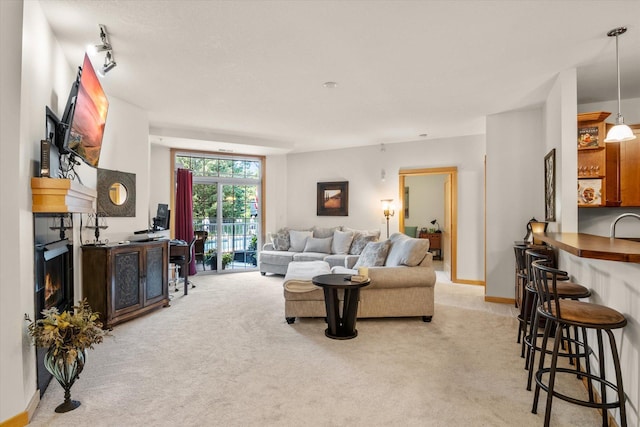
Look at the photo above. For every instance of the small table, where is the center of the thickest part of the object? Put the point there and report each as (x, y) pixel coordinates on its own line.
(340, 328)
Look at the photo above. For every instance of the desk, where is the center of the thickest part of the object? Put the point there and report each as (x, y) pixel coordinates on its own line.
(179, 254)
(435, 243)
(340, 328)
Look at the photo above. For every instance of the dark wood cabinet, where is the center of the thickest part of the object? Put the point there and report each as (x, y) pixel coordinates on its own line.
(122, 282)
(608, 174)
(630, 170)
(435, 243)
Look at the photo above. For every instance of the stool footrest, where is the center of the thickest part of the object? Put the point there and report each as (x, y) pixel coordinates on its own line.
(597, 405)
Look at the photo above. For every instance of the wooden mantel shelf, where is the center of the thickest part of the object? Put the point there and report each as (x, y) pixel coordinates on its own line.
(59, 195)
(596, 247)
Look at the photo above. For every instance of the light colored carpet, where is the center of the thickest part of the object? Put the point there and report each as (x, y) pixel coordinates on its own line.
(224, 356)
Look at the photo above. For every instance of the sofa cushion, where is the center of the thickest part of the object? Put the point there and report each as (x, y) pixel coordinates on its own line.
(336, 259)
(406, 250)
(341, 242)
(322, 232)
(374, 254)
(280, 240)
(309, 256)
(318, 245)
(276, 257)
(297, 240)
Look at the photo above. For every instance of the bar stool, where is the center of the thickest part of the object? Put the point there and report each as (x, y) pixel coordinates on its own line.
(525, 296)
(563, 312)
(520, 283)
(564, 289)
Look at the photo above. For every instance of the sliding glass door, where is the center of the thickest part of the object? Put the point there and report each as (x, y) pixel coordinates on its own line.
(226, 194)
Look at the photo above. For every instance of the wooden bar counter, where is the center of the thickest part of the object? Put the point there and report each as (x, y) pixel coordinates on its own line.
(596, 247)
(610, 268)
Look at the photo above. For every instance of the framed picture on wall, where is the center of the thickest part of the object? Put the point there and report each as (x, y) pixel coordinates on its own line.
(333, 198)
(550, 186)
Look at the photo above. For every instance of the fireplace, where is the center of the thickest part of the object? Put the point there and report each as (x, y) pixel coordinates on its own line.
(53, 275)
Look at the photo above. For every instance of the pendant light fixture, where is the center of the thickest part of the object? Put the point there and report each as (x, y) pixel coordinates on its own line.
(620, 132)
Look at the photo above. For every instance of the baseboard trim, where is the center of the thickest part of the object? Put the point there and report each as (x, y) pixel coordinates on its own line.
(20, 420)
(500, 300)
(469, 282)
(33, 404)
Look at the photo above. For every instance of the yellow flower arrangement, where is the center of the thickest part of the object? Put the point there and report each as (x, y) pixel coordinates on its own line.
(67, 333)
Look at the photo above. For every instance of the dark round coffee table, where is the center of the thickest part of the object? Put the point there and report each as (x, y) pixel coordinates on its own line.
(340, 328)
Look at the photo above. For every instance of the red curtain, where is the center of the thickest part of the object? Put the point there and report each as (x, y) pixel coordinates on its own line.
(184, 211)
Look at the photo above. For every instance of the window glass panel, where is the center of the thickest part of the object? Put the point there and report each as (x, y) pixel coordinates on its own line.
(225, 168)
(253, 170)
(211, 167)
(238, 169)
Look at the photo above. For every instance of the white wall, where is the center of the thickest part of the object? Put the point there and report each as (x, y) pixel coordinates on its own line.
(125, 148)
(426, 200)
(17, 385)
(361, 167)
(598, 220)
(161, 179)
(561, 129)
(515, 190)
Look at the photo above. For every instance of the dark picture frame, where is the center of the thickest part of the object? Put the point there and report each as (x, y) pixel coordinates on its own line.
(550, 186)
(333, 198)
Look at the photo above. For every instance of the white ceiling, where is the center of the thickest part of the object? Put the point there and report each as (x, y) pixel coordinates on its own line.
(215, 74)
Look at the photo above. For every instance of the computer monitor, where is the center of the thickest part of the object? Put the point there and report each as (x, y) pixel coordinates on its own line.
(161, 220)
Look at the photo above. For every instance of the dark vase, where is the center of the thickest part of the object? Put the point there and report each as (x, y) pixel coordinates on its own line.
(66, 374)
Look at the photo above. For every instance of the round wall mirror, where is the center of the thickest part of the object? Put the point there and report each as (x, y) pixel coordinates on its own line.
(118, 193)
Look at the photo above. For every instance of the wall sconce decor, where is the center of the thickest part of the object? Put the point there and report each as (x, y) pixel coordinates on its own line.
(388, 210)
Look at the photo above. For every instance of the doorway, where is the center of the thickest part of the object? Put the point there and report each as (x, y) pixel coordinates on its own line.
(448, 197)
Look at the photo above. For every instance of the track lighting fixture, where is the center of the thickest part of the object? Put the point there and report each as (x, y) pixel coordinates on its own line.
(105, 46)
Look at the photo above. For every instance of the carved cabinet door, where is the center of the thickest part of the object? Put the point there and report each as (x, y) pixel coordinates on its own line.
(126, 280)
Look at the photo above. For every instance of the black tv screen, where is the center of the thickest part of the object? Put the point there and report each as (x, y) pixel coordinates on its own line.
(85, 116)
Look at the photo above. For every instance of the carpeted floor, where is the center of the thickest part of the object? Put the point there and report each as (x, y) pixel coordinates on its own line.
(224, 356)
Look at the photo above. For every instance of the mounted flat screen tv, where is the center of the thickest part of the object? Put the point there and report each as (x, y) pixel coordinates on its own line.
(84, 118)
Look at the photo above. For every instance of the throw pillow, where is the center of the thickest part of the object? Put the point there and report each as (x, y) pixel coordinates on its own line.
(406, 250)
(280, 240)
(318, 245)
(341, 242)
(373, 255)
(360, 241)
(322, 232)
(298, 239)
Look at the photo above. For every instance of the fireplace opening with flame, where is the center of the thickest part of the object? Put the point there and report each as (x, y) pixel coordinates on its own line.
(53, 277)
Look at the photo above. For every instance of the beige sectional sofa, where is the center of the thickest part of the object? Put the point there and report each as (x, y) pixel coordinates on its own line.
(403, 286)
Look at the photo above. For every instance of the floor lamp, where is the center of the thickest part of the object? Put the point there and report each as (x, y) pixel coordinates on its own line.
(388, 210)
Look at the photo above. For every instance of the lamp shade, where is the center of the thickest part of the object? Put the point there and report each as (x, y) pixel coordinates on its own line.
(620, 133)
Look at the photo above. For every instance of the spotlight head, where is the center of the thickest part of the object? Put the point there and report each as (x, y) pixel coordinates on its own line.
(109, 64)
(108, 67)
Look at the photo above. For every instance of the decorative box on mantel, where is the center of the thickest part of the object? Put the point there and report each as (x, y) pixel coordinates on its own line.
(59, 195)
